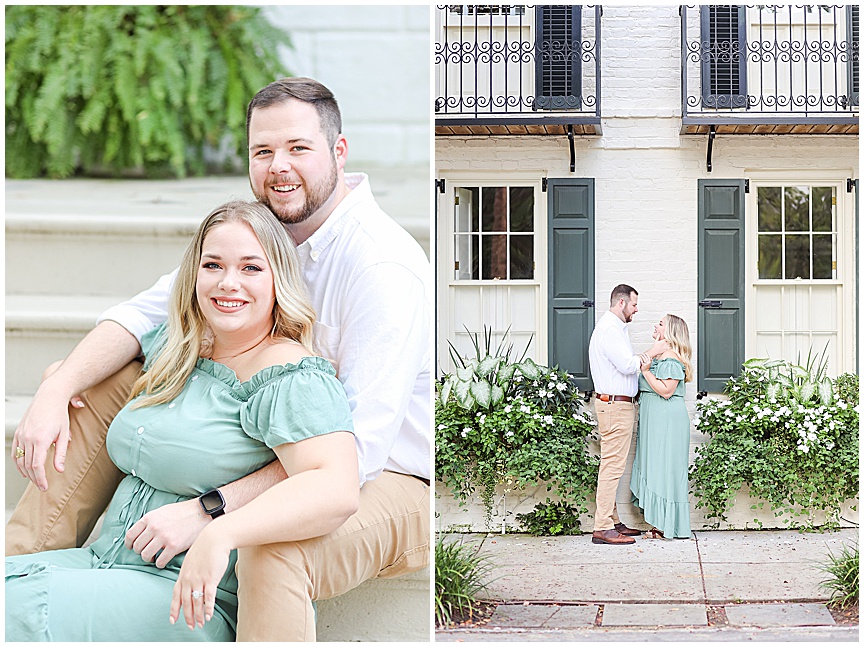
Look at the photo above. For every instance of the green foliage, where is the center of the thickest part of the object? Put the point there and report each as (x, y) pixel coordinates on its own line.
(551, 518)
(460, 575)
(98, 89)
(536, 433)
(788, 432)
(842, 576)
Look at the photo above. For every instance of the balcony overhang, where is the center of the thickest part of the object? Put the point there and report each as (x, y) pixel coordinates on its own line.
(750, 124)
(516, 125)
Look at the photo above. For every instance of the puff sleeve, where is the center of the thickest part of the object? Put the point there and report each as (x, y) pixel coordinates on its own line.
(294, 402)
(152, 343)
(668, 369)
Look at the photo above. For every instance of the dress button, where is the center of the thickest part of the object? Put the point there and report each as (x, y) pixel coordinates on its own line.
(171, 406)
(133, 473)
(140, 430)
(116, 539)
(194, 377)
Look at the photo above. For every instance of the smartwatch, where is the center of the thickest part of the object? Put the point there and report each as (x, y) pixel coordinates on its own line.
(213, 503)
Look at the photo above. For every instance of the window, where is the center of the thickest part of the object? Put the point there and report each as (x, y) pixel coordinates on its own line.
(796, 232)
(493, 233)
(724, 56)
(558, 52)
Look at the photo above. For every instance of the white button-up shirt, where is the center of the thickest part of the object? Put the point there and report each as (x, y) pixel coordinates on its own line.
(371, 286)
(614, 367)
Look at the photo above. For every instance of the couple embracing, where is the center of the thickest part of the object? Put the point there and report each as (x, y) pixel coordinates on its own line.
(656, 379)
(280, 420)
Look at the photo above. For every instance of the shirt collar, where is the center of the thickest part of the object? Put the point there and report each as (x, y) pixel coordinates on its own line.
(616, 320)
(360, 190)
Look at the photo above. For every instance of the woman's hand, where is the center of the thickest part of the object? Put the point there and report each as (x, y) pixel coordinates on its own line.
(202, 570)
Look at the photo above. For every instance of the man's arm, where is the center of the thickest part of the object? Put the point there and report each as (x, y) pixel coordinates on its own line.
(103, 351)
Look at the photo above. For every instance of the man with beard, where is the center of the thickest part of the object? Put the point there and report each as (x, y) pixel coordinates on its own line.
(615, 373)
(370, 284)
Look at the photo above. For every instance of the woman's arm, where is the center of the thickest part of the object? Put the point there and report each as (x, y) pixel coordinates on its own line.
(663, 388)
(321, 494)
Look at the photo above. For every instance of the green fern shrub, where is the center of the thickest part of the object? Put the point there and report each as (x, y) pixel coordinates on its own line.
(116, 90)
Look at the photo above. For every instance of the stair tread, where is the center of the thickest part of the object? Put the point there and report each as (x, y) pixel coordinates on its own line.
(56, 311)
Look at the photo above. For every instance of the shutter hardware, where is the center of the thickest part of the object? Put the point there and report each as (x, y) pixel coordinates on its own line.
(587, 303)
(851, 184)
(712, 131)
(710, 304)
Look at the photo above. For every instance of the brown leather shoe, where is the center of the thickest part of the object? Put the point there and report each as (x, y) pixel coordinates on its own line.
(624, 530)
(611, 536)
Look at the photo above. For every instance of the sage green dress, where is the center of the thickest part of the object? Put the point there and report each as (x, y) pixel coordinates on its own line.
(659, 479)
(216, 431)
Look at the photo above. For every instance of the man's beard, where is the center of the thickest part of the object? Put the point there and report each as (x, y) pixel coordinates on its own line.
(316, 195)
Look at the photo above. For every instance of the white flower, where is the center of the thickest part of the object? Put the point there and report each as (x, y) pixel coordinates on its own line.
(561, 386)
(442, 427)
(509, 434)
(482, 418)
(841, 405)
(551, 385)
(508, 409)
(465, 432)
(542, 394)
(547, 420)
(537, 416)
(524, 409)
(804, 448)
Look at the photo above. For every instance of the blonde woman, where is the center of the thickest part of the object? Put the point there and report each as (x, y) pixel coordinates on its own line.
(230, 384)
(659, 478)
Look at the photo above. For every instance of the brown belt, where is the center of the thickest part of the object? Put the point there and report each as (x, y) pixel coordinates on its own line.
(614, 398)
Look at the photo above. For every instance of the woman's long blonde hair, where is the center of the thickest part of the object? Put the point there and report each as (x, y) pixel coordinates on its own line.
(678, 337)
(187, 334)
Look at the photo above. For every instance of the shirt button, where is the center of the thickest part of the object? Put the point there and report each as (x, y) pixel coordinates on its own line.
(140, 430)
(315, 254)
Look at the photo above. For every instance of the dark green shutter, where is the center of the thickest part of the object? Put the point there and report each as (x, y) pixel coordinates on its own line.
(558, 57)
(724, 56)
(720, 321)
(571, 275)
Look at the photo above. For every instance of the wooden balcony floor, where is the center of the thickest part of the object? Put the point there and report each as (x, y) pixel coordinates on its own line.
(514, 129)
(772, 129)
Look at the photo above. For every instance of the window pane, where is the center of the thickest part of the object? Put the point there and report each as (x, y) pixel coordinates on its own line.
(521, 208)
(822, 198)
(466, 254)
(769, 208)
(494, 208)
(797, 257)
(823, 256)
(495, 257)
(769, 257)
(521, 257)
(467, 211)
(797, 208)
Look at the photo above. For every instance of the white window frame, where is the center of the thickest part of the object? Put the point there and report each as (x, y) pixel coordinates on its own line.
(845, 277)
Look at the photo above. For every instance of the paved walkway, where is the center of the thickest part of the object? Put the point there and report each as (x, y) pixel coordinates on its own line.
(752, 585)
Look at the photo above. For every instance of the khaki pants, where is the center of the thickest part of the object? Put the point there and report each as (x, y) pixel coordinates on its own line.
(615, 423)
(388, 536)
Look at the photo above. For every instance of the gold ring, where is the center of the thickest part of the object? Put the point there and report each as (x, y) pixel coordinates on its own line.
(19, 452)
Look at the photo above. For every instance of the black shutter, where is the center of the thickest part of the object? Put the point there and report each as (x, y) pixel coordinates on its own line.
(720, 320)
(558, 57)
(571, 275)
(852, 45)
(724, 56)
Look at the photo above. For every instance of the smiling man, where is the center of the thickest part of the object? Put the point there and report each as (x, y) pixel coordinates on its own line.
(370, 284)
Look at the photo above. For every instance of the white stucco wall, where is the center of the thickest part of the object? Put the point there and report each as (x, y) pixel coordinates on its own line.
(375, 59)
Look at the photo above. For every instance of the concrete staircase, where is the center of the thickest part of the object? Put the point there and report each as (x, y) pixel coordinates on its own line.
(76, 247)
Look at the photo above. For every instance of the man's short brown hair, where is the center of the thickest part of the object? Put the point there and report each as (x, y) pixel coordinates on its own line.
(622, 291)
(306, 90)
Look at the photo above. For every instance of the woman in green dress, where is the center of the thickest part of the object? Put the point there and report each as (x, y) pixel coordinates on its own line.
(659, 478)
(229, 385)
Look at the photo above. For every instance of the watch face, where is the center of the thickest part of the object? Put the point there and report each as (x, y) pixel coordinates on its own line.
(212, 501)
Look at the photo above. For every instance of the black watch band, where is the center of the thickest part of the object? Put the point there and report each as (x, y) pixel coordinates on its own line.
(213, 503)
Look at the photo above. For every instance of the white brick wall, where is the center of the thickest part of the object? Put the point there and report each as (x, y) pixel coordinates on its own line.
(375, 59)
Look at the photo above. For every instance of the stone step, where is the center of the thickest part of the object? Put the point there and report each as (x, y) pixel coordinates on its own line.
(41, 329)
(109, 237)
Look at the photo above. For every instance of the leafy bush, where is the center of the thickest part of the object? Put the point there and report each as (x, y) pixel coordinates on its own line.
(786, 431)
(842, 580)
(112, 89)
(537, 432)
(551, 518)
(460, 574)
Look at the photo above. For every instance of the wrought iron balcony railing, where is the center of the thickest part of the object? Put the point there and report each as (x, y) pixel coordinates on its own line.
(764, 69)
(522, 68)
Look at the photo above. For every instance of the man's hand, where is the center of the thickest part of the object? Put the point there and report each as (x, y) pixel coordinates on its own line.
(171, 529)
(46, 421)
(660, 346)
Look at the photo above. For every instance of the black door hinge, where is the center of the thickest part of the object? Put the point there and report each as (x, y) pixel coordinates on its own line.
(851, 184)
(746, 186)
(440, 185)
(545, 184)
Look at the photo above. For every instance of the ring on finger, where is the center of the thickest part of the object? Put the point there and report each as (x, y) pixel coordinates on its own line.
(19, 453)
(197, 595)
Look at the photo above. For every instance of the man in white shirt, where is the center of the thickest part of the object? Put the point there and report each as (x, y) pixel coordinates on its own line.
(370, 284)
(615, 373)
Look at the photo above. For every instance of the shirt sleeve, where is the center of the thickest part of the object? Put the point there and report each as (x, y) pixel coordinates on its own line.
(300, 404)
(143, 312)
(615, 346)
(669, 369)
(387, 310)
